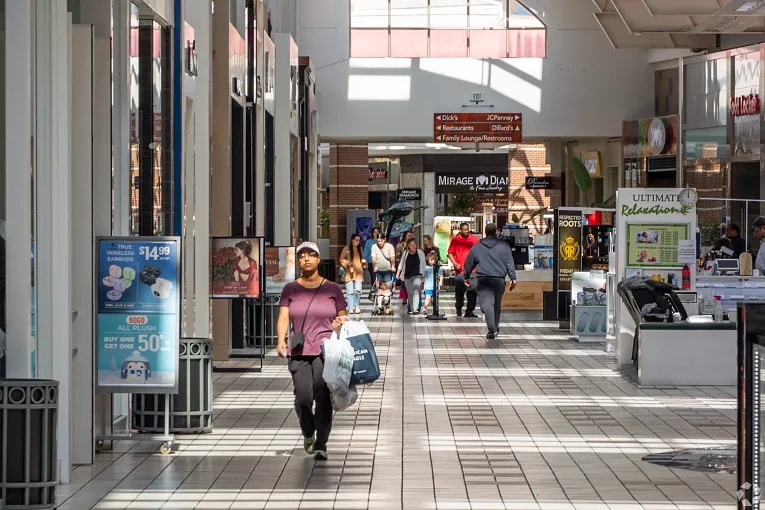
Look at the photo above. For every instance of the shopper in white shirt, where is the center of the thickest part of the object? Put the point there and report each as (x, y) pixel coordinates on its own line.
(758, 229)
(383, 259)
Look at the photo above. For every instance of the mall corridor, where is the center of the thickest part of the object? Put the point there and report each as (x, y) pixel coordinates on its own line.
(531, 420)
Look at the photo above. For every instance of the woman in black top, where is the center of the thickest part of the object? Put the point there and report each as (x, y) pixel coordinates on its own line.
(410, 270)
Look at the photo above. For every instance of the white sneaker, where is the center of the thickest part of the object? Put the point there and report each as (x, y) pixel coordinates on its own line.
(357, 309)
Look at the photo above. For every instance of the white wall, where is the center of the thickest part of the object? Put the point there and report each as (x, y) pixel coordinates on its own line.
(584, 88)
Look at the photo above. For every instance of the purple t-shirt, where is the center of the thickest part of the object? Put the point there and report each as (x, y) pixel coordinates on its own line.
(329, 299)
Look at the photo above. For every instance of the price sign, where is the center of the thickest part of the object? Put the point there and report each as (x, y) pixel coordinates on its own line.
(138, 302)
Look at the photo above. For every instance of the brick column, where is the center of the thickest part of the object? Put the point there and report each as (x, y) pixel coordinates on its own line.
(528, 160)
(349, 189)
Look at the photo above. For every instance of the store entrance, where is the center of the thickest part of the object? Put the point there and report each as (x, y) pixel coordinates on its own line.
(745, 183)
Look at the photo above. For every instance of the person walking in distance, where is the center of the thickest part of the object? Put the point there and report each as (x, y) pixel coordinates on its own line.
(383, 260)
(353, 261)
(371, 242)
(315, 307)
(410, 271)
(459, 247)
(495, 262)
(400, 249)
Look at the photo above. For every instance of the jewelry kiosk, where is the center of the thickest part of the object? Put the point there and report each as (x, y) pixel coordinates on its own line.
(656, 229)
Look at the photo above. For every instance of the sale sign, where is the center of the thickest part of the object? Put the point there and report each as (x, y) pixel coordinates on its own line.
(138, 302)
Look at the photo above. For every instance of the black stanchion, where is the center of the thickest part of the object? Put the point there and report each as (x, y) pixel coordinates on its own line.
(436, 315)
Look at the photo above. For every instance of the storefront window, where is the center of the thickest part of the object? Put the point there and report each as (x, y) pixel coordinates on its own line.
(706, 93)
(151, 183)
(706, 156)
(744, 114)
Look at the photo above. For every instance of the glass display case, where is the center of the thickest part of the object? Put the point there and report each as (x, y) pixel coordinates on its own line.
(588, 305)
(733, 289)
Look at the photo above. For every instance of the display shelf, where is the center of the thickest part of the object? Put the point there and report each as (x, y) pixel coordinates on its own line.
(732, 289)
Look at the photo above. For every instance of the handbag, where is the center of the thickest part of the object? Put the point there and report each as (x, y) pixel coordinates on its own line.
(298, 339)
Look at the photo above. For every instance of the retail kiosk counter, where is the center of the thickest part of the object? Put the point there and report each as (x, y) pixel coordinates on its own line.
(527, 294)
(687, 353)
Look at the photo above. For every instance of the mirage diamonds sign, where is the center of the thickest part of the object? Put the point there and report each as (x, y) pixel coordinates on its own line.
(471, 183)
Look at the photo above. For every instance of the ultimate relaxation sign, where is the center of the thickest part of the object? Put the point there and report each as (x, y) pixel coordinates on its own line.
(659, 202)
(138, 314)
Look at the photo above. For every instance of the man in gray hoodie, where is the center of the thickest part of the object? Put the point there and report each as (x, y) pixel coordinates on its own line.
(495, 261)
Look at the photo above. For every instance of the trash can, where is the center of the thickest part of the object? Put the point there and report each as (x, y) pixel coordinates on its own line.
(28, 447)
(191, 408)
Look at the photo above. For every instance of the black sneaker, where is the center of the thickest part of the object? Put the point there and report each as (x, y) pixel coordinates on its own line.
(491, 336)
(470, 315)
(459, 312)
(320, 455)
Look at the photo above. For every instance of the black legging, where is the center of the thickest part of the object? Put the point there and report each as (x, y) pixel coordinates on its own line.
(309, 387)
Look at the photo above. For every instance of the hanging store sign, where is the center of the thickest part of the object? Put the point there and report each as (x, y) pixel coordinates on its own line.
(138, 315)
(409, 194)
(478, 127)
(744, 105)
(377, 173)
(479, 183)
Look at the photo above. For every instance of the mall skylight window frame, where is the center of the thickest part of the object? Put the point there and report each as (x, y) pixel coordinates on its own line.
(384, 34)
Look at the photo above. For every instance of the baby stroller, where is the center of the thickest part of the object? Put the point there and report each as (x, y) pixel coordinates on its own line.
(649, 301)
(382, 298)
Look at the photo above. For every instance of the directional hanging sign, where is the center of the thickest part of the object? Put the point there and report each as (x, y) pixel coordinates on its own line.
(478, 127)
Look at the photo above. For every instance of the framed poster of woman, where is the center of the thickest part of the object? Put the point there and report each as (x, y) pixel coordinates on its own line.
(236, 267)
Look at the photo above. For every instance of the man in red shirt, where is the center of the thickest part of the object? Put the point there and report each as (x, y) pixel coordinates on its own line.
(457, 253)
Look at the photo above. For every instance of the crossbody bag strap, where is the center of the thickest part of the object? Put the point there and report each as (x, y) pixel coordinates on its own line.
(382, 253)
(302, 325)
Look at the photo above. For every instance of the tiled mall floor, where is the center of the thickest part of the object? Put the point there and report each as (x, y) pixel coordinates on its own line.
(531, 420)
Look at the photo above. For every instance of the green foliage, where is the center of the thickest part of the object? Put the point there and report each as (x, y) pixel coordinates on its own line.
(582, 177)
(461, 204)
(531, 217)
(324, 224)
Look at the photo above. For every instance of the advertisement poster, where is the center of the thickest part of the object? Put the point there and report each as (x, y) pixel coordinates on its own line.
(654, 245)
(445, 228)
(279, 267)
(596, 243)
(543, 257)
(569, 248)
(138, 303)
(361, 222)
(235, 267)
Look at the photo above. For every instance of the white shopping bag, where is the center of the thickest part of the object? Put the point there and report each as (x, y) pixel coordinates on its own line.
(338, 363)
(343, 399)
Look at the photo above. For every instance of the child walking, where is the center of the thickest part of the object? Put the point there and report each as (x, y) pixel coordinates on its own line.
(427, 275)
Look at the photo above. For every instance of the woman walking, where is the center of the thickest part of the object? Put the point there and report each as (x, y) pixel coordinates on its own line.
(368, 252)
(411, 269)
(383, 259)
(428, 247)
(352, 260)
(400, 249)
(315, 307)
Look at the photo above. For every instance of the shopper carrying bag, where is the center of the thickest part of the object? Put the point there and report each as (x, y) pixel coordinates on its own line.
(317, 307)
